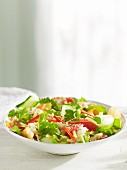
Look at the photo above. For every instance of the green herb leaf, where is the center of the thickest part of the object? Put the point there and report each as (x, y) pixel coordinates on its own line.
(70, 114)
(50, 128)
(109, 132)
(58, 113)
(75, 105)
(24, 116)
(82, 99)
(13, 113)
(21, 114)
(87, 138)
(42, 118)
(16, 129)
(45, 100)
(55, 106)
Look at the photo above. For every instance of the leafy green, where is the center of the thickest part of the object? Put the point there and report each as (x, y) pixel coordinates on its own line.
(87, 138)
(13, 113)
(98, 107)
(82, 99)
(45, 100)
(83, 116)
(50, 128)
(70, 114)
(73, 111)
(75, 105)
(53, 102)
(50, 139)
(16, 129)
(117, 123)
(24, 116)
(75, 99)
(97, 119)
(109, 131)
(57, 113)
(42, 118)
(53, 112)
(21, 114)
(45, 127)
(55, 106)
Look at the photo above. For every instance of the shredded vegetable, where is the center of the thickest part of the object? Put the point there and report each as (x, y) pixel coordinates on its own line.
(63, 120)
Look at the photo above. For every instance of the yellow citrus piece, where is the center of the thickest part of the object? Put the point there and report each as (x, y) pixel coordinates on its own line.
(45, 106)
(114, 112)
(93, 112)
(27, 132)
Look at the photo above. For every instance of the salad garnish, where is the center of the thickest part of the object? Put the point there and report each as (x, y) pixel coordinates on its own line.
(63, 120)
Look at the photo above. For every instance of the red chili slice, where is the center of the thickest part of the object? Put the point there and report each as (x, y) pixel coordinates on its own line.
(90, 125)
(58, 119)
(69, 100)
(35, 119)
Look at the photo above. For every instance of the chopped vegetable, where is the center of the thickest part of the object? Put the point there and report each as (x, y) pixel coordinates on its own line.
(97, 107)
(117, 123)
(90, 125)
(35, 119)
(63, 120)
(16, 130)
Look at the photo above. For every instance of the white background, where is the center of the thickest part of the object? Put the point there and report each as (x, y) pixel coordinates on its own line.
(65, 47)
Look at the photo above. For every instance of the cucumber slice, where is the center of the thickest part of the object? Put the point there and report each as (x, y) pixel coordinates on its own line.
(91, 120)
(28, 103)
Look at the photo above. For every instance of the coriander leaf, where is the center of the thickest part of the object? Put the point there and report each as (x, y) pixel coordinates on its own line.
(21, 114)
(50, 128)
(71, 110)
(16, 129)
(45, 100)
(55, 106)
(24, 116)
(13, 113)
(70, 114)
(75, 105)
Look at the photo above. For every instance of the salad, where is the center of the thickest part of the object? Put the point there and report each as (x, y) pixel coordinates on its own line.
(63, 120)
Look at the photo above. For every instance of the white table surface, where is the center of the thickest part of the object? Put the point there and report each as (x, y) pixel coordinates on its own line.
(15, 155)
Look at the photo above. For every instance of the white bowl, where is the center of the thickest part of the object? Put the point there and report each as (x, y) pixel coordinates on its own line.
(66, 149)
